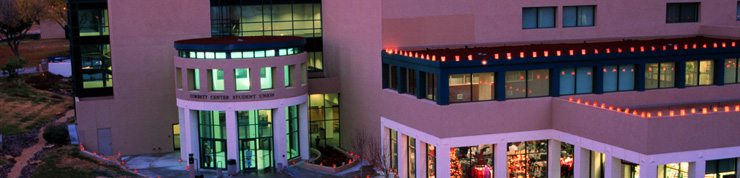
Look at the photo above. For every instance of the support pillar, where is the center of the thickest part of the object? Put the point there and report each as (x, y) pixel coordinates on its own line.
(303, 131)
(421, 159)
(191, 118)
(403, 169)
(278, 126)
(697, 169)
(612, 167)
(648, 171)
(553, 157)
(499, 160)
(443, 161)
(232, 136)
(184, 131)
(581, 161)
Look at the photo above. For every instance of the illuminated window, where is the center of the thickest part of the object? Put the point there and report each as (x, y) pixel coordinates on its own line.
(676, 170)
(659, 75)
(242, 79)
(315, 61)
(93, 22)
(291, 129)
(527, 159)
(245, 19)
(473, 161)
(731, 71)
(217, 80)
(393, 150)
(194, 79)
(176, 136)
(699, 72)
(596, 164)
(212, 134)
(460, 90)
(530, 83)
(324, 119)
(566, 160)
(721, 168)
(431, 159)
(288, 72)
(411, 157)
(266, 78)
(96, 66)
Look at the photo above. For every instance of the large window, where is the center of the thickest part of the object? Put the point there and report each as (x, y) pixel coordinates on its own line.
(242, 79)
(660, 75)
(596, 165)
(217, 80)
(93, 22)
(538, 17)
(527, 159)
(473, 161)
(266, 74)
(96, 66)
(676, 170)
(578, 16)
(323, 114)
(212, 134)
(732, 75)
(699, 72)
(630, 170)
(176, 136)
(431, 159)
(682, 12)
(287, 73)
(471, 87)
(724, 168)
(737, 16)
(315, 61)
(619, 78)
(411, 157)
(244, 19)
(566, 160)
(292, 134)
(255, 134)
(392, 77)
(194, 79)
(531, 83)
(576, 80)
(393, 152)
(410, 81)
(431, 86)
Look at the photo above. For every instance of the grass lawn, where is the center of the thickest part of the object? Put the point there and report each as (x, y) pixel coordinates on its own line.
(23, 107)
(35, 50)
(67, 162)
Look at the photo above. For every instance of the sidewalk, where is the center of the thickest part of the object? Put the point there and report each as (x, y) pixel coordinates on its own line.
(28, 153)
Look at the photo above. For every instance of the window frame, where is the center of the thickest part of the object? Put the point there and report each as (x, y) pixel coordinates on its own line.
(577, 17)
(537, 17)
(660, 73)
(681, 6)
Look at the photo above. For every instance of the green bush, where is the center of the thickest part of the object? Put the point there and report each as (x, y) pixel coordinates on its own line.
(11, 68)
(56, 134)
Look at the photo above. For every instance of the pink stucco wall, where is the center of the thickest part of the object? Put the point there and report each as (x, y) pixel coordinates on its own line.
(50, 30)
(142, 111)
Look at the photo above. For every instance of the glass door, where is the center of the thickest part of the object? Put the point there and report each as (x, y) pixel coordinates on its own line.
(248, 154)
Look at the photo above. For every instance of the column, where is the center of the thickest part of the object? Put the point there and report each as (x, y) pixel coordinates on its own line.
(648, 171)
(303, 131)
(421, 155)
(278, 126)
(184, 131)
(402, 155)
(232, 136)
(499, 160)
(640, 77)
(443, 88)
(191, 118)
(553, 157)
(443, 160)
(580, 161)
(612, 167)
(598, 80)
(697, 169)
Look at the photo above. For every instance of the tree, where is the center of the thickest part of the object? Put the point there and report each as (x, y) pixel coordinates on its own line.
(16, 18)
(57, 12)
(370, 150)
(11, 68)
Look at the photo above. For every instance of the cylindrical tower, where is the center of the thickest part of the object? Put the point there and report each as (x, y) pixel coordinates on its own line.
(242, 98)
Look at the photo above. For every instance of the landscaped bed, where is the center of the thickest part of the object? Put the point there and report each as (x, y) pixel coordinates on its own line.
(332, 160)
(23, 107)
(67, 161)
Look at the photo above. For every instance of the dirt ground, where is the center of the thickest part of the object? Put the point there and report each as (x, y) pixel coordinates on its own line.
(35, 50)
(23, 107)
(67, 162)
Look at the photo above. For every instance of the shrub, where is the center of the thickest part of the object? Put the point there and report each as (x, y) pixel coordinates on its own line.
(11, 68)
(56, 134)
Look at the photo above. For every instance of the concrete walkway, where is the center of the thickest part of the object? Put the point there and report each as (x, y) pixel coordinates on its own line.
(28, 153)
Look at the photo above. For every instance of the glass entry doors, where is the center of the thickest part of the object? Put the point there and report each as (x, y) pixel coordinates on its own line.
(212, 133)
(255, 140)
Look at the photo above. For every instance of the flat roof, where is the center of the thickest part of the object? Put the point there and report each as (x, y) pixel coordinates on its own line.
(239, 43)
(486, 55)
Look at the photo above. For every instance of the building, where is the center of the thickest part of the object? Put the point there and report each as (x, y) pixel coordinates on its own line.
(450, 88)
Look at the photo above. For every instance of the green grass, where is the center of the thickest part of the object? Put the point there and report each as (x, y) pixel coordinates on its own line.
(23, 106)
(50, 166)
(10, 129)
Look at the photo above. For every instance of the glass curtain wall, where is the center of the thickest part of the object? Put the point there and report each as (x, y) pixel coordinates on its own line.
(725, 168)
(527, 159)
(324, 120)
(255, 139)
(473, 161)
(96, 66)
(93, 22)
(212, 134)
(292, 134)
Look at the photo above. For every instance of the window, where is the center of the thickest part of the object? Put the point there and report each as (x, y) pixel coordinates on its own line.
(676, 170)
(392, 78)
(217, 80)
(324, 119)
(411, 157)
(176, 136)
(194, 79)
(630, 170)
(721, 168)
(431, 86)
(619, 78)
(699, 72)
(288, 71)
(531, 83)
(682, 12)
(732, 75)
(473, 161)
(578, 16)
(431, 161)
(393, 150)
(659, 75)
(460, 88)
(566, 160)
(576, 80)
(255, 139)
(538, 17)
(596, 165)
(245, 19)
(93, 22)
(315, 61)
(410, 81)
(291, 129)
(96, 66)
(242, 79)
(737, 17)
(471, 87)
(266, 78)
(483, 86)
(178, 77)
(304, 74)
(527, 159)
(212, 134)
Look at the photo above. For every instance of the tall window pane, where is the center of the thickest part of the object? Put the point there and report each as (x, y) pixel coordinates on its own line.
(212, 137)
(596, 164)
(242, 79)
(460, 88)
(410, 81)
(431, 86)
(692, 73)
(667, 74)
(473, 161)
(393, 150)
(527, 159)
(292, 134)
(431, 161)
(584, 80)
(217, 80)
(483, 86)
(529, 18)
(287, 73)
(586, 16)
(706, 72)
(567, 81)
(538, 83)
(626, 77)
(411, 157)
(570, 15)
(546, 17)
(266, 78)
(731, 70)
(611, 79)
(652, 75)
(516, 85)
(676, 170)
